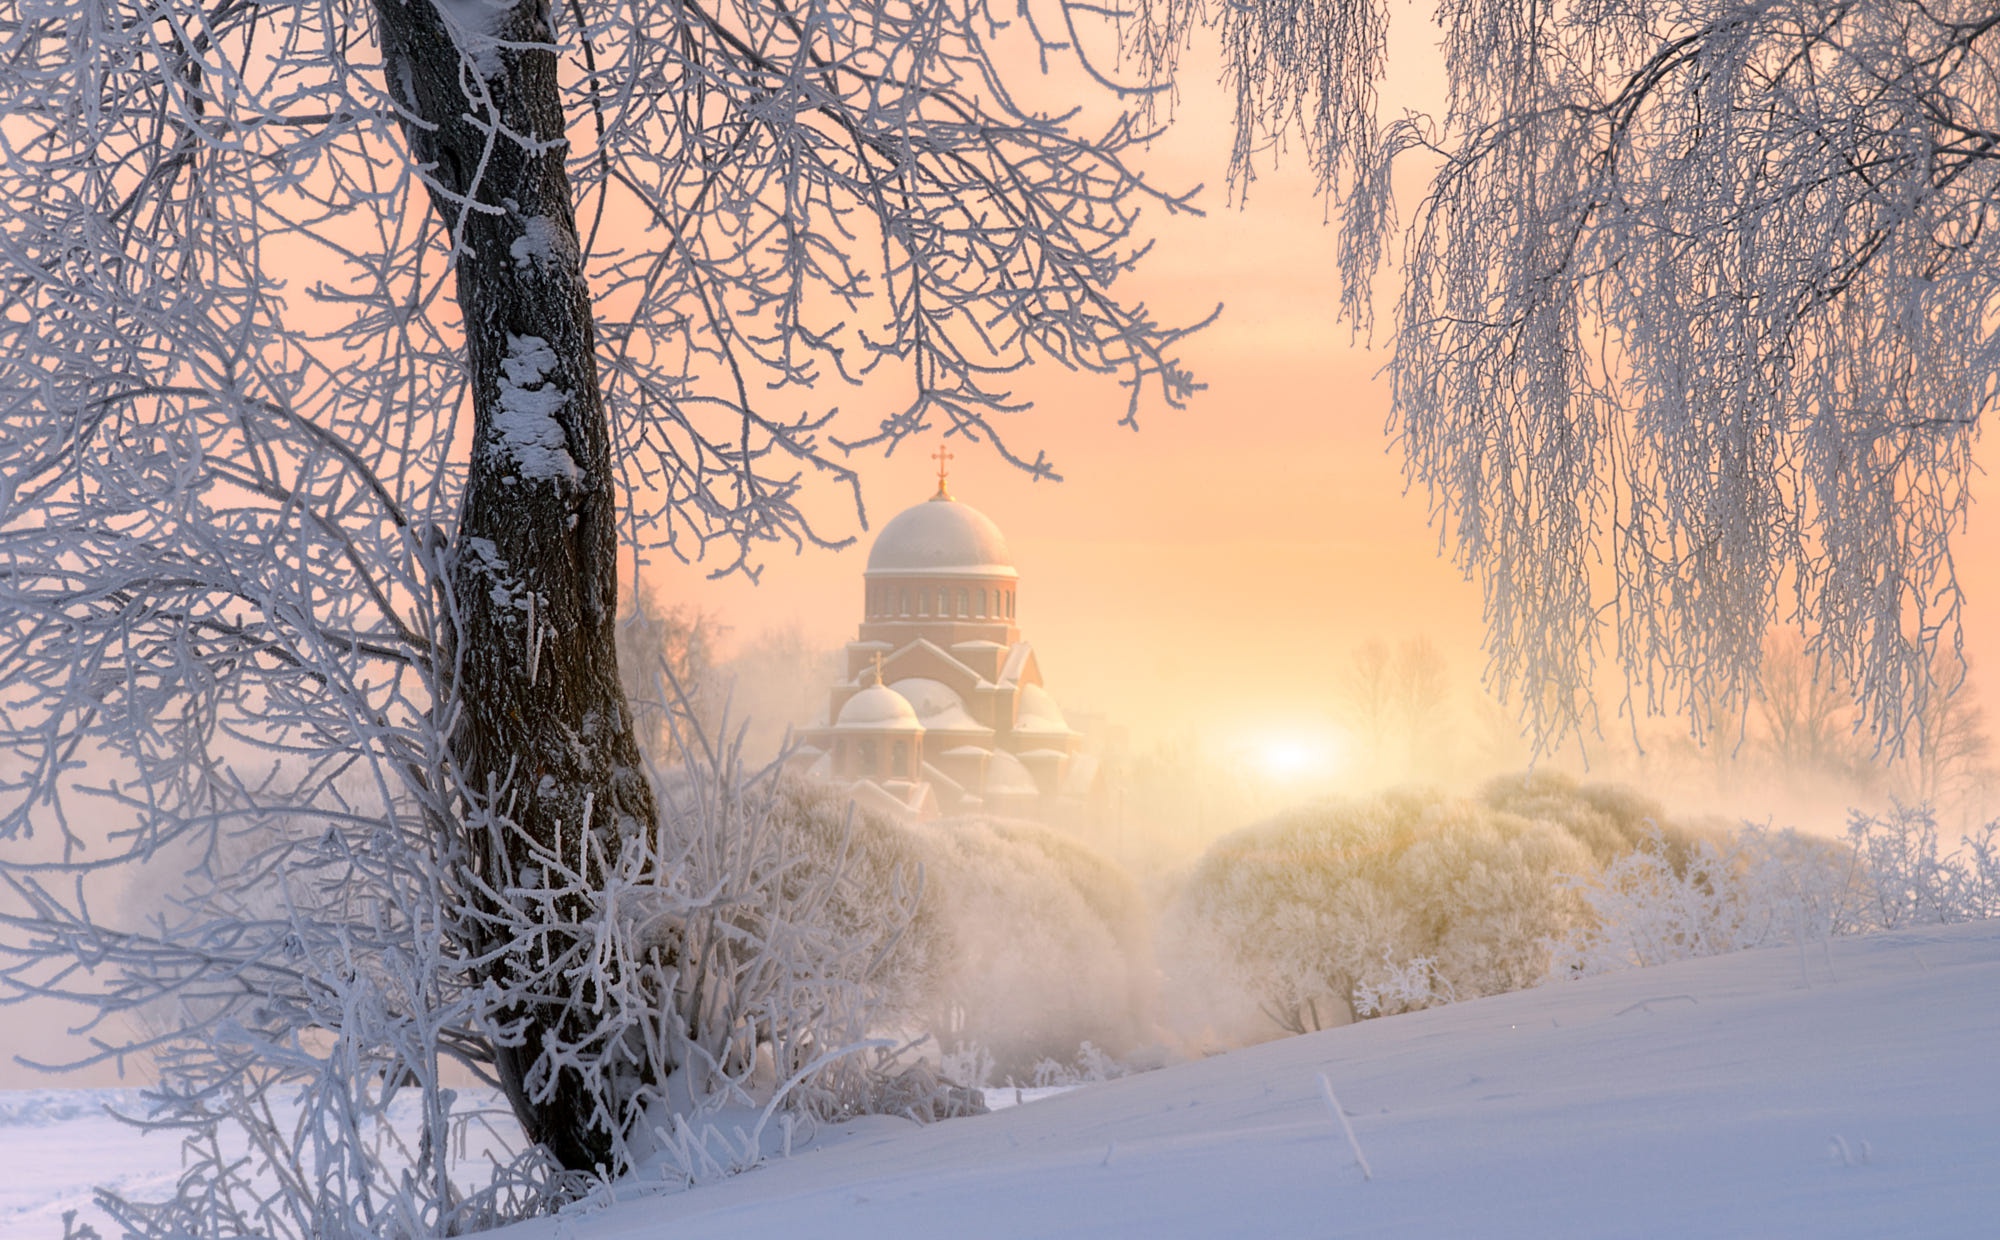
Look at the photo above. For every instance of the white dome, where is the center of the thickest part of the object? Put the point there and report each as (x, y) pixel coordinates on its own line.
(941, 536)
(1037, 712)
(879, 709)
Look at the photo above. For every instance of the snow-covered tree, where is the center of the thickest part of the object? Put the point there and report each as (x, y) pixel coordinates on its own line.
(1697, 320)
(341, 345)
(1361, 908)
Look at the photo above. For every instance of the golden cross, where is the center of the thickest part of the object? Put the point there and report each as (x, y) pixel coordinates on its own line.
(941, 456)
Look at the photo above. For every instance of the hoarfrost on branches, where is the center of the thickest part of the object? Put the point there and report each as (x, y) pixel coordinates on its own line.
(1763, 887)
(1699, 318)
(342, 348)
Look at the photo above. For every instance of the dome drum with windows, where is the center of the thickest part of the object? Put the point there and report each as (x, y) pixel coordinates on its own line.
(943, 710)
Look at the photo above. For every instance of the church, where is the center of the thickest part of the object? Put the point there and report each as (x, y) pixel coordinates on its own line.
(943, 710)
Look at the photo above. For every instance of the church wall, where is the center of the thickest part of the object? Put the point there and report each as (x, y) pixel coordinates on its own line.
(959, 597)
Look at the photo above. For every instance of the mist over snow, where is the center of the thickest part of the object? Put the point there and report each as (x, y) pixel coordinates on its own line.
(1841, 1090)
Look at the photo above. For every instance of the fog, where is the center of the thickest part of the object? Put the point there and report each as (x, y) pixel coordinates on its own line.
(1153, 930)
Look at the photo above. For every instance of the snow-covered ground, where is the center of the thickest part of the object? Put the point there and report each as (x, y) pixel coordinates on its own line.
(1851, 1091)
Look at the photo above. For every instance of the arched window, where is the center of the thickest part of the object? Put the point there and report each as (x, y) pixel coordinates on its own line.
(865, 756)
(905, 609)
(899, 762)
(1010, 604)
(982, 602)
(944, 604)
(923, 602)
(964, 604)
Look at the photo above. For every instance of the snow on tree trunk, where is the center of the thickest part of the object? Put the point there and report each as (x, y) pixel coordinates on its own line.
(539, 725)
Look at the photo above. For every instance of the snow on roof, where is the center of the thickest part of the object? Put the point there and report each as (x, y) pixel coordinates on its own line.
(941, 536)
(1017, 662)
(915, 651)
(1035, 710)
(937, 706)
(1006, 775)
(939, 779)
(899, 796)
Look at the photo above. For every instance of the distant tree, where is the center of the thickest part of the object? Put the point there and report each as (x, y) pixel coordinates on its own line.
(1697, 317)
(777, 681)
(1951, 762)
(668, 668)
(1807, 715)
(1398, 704)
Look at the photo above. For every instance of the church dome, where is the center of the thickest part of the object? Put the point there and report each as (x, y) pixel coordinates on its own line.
(940, 537)
(879, 708)
(1037, 712)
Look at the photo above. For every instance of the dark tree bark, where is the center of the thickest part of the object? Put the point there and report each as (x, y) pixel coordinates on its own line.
(544, 735)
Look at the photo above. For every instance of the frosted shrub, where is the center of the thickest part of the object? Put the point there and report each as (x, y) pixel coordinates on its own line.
(1765, 887)
(1401, 988)
(1758, 888)
(1351, 908)
(887, 884)
(792, 944)
(1906, 879)
(1040, 944)
(1611, 820)
(316, 995)
(1090, 1065)
(1017, 943)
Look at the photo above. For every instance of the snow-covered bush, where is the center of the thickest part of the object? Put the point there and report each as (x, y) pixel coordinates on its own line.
(1763, 887)
(1907, 880)
(1611, 820)
(1041, 944)
(1349, 908)
(1024, 945)
(886, 883)
(1759, 887)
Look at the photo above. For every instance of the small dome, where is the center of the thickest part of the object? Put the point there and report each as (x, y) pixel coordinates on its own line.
(1037, 712)
(941, 536)
(879, 709)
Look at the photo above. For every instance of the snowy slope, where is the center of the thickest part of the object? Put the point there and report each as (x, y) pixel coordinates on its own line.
(1710, 1098)
(1852, 1092)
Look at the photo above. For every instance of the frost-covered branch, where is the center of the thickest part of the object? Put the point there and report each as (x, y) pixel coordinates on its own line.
(344, 348)
(1697, 320)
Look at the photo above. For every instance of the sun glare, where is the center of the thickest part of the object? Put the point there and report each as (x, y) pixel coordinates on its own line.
(1298, 758)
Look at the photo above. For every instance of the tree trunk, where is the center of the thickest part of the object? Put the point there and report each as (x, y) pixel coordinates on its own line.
(543, 736)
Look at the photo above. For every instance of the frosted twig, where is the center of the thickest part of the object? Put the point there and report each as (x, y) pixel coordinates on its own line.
(1360, 1160)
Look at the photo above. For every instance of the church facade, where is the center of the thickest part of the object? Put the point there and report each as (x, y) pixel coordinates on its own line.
(943, 710)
